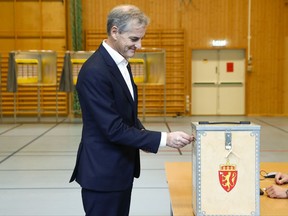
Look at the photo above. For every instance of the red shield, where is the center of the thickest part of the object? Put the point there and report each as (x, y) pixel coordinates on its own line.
(228, 179)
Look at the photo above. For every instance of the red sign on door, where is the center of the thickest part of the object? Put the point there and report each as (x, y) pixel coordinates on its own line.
(230, 67)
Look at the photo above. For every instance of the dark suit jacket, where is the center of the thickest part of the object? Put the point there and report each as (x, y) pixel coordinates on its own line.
(108, 155)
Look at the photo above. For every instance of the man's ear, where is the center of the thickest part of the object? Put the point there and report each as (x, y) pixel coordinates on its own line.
(114, 32)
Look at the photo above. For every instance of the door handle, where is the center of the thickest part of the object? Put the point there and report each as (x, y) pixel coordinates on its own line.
(231, 83)
(204, 83)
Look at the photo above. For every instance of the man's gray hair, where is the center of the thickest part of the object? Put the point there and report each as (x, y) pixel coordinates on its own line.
(121, 16)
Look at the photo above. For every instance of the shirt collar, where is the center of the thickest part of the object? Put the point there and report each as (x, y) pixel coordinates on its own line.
(117, 57)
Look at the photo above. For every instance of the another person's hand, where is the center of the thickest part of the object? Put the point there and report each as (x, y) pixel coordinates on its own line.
(178, 139)
(281, 178)
(275, 191)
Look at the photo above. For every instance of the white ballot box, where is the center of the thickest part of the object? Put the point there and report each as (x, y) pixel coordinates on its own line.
(225, 176)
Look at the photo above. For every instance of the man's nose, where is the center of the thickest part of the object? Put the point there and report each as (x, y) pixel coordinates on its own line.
(138, 44)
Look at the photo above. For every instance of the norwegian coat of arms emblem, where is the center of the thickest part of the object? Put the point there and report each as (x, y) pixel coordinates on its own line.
(228, 176)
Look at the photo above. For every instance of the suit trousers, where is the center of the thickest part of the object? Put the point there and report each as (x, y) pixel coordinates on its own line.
(103, 203)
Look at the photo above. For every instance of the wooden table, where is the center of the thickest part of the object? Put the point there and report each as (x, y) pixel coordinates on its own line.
(179, 177)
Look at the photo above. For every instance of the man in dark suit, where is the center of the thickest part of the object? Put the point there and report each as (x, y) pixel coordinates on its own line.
(108, 155)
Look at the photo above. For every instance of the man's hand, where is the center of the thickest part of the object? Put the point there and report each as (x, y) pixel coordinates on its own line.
(281, 178)
(275, 191)
(178, 139)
